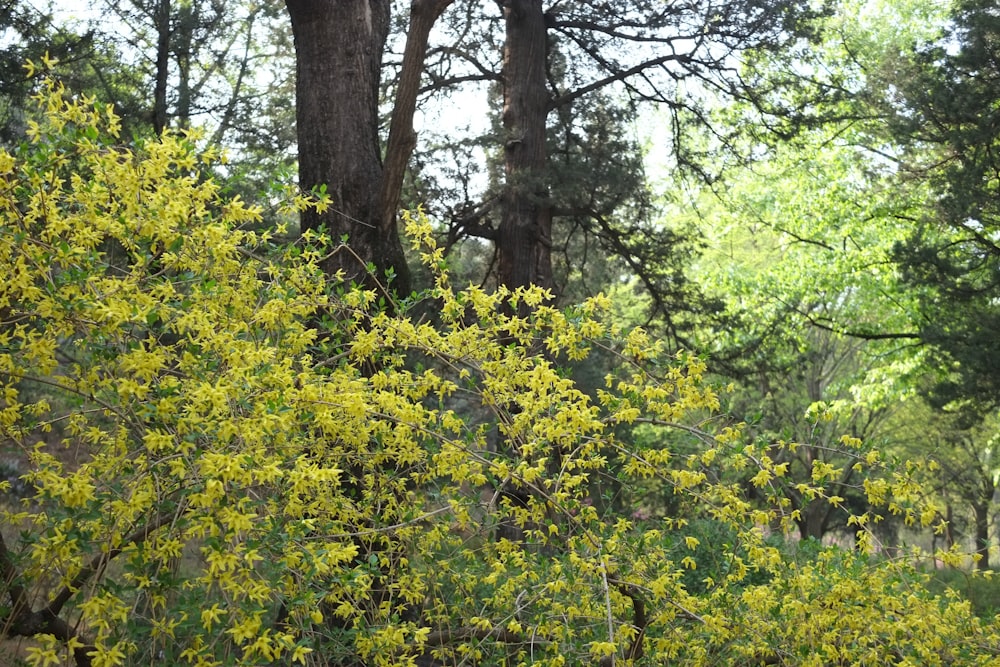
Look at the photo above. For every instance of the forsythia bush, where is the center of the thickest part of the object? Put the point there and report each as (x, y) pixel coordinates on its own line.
(235, 463)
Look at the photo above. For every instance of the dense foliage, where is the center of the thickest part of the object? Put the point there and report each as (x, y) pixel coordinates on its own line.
(234, 461)
(948, 124)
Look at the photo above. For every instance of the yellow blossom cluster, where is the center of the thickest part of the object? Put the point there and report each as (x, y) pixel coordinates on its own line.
(236, 462)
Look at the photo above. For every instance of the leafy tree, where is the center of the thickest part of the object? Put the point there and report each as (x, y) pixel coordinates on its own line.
(817, 329)
(223, 66)
(831, 239)
(555, 60)
(197, 62)
(207, 491)
(947, 120)
(963, 471)
(27, 35)
(932, 82)
(801, 251)
(84, 65)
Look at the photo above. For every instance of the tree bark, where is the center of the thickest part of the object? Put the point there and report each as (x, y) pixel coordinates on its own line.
(338, 52)
(524, 239)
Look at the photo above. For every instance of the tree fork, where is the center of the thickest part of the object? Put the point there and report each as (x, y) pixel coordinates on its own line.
(339, 46)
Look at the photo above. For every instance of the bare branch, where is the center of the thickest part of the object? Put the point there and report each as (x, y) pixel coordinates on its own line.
(566, 98)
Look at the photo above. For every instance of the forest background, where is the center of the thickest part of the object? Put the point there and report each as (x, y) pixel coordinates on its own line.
(249, 418)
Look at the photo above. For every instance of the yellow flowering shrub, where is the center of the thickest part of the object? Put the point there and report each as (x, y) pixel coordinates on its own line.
(236, 463)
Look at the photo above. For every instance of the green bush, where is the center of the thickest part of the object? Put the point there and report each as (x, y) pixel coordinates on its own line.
(236, 484)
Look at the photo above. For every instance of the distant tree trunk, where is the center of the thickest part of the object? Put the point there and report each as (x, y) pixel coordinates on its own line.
(338, 52)
(184, 38)
(949, 531)
(981, 512)
(524, 239)
(814, 519)
(161, 19)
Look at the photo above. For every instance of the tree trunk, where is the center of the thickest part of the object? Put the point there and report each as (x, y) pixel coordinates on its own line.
(338, 52)
(339, 46)
(184, 38)
(402, 138)
(949, 532)
(814, 519)
(161, 19)
(524, 240)
(981, 510)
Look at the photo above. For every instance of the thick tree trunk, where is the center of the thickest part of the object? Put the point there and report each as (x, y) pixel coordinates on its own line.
(524, 240)
(338, 52)
(338, 49)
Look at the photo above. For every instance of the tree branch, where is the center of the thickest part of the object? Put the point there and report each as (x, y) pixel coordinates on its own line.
(566, 98)
(444, 637)
(22, 622)
(863, 335)
(402, 138)
(99, 562)
(639, 621)
(616, 33)
(439, 83)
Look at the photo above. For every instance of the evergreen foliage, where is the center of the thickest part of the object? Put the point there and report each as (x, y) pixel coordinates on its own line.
(948, 120)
